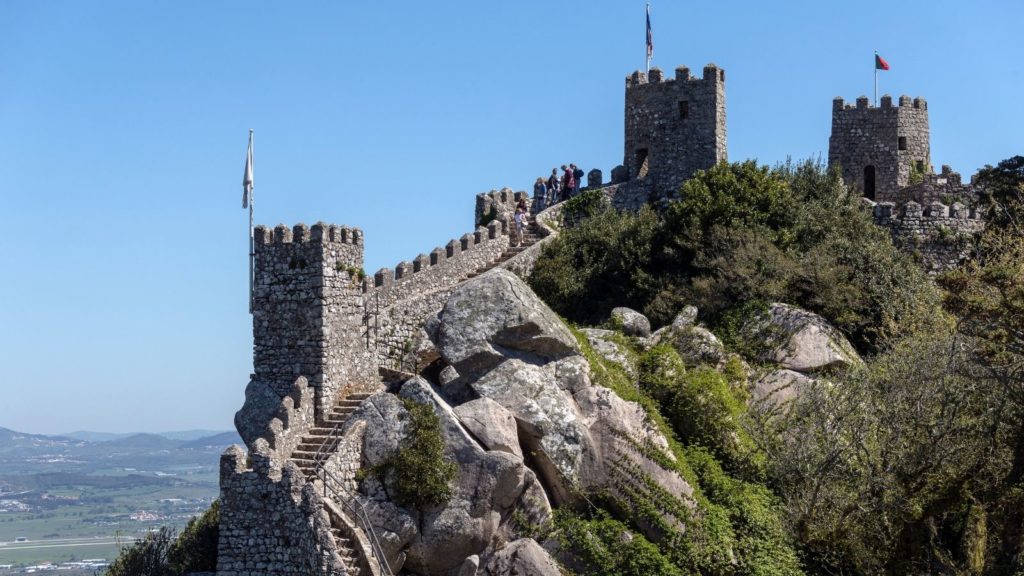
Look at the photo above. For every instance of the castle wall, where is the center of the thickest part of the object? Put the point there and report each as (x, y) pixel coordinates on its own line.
(442, 268)
(272, 520)
(307, 304)
(940, 236)
(674, 126)
(400, 323)
(867, 136)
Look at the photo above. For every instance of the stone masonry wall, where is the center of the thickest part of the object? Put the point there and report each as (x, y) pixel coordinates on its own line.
(272, 520)
(442, 268)
(307, 304)
(401, 322)
(866, 136)
(946, 187)
(674, 126)
(941, 236)
(281, 422)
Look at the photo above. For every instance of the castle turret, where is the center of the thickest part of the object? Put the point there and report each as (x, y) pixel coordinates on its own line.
(879, 147)
(674, 127)
(308, 310)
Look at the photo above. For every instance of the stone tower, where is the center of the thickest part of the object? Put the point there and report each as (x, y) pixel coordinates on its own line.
(674, 127)
(879, 147)
(308, 312)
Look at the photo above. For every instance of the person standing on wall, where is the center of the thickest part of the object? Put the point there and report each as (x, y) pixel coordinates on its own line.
(568, 182)
(520, 220)
(577, 173)
(553, 186)
(540, 194)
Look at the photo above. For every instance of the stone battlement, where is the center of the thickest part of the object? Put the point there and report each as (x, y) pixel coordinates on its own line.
(301, 234)
(638, 79)
(884, 211)
(940, 236)
(885, 103)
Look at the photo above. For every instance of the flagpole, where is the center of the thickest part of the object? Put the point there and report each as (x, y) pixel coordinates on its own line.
(647, 47)
(875, 65)
(252, 243)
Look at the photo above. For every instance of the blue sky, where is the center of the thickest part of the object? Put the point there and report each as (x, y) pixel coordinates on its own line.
(123, 128)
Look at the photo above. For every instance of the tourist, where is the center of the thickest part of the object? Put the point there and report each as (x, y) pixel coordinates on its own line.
(568, 182)
(540, 194)
(553, 186)
(578, 173)
(520, 219)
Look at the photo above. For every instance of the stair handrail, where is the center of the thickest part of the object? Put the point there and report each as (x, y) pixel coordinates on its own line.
(358, 511)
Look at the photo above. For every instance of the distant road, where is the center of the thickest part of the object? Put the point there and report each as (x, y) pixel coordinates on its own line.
(67, 542)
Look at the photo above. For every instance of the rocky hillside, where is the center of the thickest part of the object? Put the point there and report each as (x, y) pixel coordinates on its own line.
(557, 432)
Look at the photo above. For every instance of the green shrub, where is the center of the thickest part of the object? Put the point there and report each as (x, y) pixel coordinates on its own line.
(587, 205)
(603, 546)
(743, 233)
(146, 557)
(195, 550)
(422, 475)
(160, 553)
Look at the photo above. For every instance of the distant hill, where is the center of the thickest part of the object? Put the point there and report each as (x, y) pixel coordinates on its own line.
(186, 435)
(89, 436)
(144, 441)
(223, 440)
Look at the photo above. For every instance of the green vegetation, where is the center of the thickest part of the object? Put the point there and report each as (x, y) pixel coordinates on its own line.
(605, 547)
(737, 523)
(912, 463)
(160, 553)
(422, 475)
(740, 233)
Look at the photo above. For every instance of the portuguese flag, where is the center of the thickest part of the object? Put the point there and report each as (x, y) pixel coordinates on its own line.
(880, 63)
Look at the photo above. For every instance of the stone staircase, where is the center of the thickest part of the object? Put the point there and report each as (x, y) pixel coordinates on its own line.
(347, 550)
(323, 439)
(530, 237)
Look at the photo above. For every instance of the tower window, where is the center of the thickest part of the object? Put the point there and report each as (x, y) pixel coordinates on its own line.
(869, 182)
(684, 109)
(641, 163)
(902, 142)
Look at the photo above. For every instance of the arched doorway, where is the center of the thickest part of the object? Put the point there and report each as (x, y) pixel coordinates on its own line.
(869, 182)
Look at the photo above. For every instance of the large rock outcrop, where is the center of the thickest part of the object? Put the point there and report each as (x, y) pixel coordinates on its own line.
(800, 340)
(526, 426)
(496, 317)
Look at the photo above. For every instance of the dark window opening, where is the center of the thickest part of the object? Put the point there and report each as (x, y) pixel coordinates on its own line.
(684, 109)
(920, 166)
(721, 74)
(641, 162)
(903, 142)
(869, 182)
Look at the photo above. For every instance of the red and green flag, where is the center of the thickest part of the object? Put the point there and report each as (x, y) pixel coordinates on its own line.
(880, 63)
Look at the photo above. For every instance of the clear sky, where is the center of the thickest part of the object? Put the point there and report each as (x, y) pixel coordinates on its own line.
(123, 125)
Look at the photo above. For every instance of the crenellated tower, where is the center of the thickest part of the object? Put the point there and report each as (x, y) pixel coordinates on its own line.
(674, 127)
(308, 310)
(880, 147)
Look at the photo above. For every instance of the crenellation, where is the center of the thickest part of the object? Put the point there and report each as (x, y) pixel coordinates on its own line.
(939, 236)
(403, 270)
(300, 233)
(384, 277)
(937, 209)
(421, 262)
(282, 234)
(437, 256)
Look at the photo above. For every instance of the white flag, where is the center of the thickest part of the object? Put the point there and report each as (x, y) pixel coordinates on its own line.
(247, 176)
